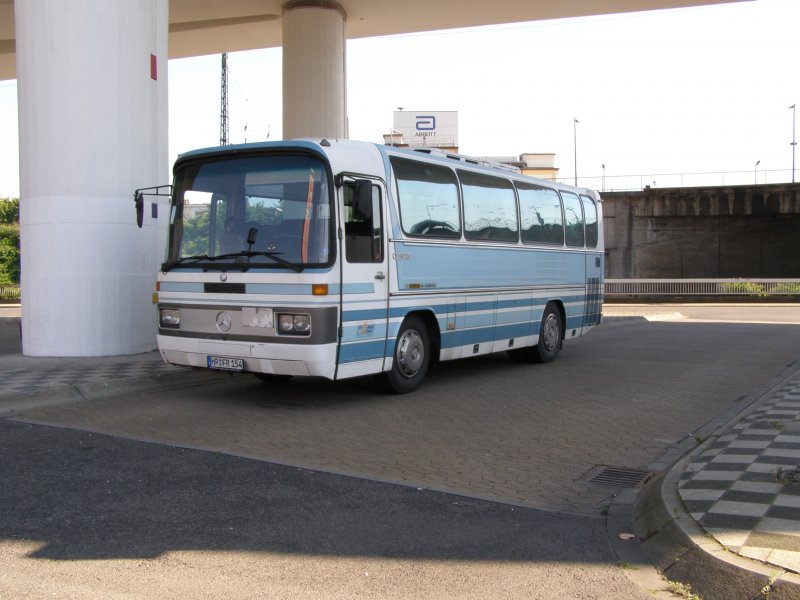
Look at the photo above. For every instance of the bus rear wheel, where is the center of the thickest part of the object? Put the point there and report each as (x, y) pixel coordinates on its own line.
(550, 339)
(411, 357)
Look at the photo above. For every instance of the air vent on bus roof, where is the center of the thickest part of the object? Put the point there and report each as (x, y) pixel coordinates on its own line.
(469, 160)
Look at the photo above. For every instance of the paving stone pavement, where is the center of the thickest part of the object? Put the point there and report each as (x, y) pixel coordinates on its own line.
(26, 380)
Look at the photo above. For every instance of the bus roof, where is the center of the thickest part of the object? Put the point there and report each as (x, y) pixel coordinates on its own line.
(327, 148)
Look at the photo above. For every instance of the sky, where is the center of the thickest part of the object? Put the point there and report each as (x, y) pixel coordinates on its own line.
(692, 96)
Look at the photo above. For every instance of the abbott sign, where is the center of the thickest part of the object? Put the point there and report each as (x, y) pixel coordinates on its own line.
(428, 128)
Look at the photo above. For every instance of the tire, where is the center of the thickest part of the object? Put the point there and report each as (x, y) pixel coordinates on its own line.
(550, 338)
(411, 358)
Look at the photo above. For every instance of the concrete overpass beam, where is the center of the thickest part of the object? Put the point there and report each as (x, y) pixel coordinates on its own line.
(92, 84)
(314, 86)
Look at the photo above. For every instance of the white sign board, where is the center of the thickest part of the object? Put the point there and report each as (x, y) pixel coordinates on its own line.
(434, 128)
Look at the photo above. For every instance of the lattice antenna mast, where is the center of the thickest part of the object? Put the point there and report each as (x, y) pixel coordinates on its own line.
(223, 110)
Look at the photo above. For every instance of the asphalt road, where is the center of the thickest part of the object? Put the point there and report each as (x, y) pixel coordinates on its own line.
(89, 509)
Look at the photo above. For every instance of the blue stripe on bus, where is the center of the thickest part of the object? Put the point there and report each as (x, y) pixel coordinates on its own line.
(359, 288)
(489, 307)
(355, 352)
(473, 320)
(283, 289)
(363, 332)
(514, 330)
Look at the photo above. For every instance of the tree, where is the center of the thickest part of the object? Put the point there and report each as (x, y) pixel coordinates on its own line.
(9, 211)
(9, 240)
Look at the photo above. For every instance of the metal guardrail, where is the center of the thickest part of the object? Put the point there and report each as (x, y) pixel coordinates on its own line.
(634, 182)
(702, 287)
(643, 287)
(9, 291)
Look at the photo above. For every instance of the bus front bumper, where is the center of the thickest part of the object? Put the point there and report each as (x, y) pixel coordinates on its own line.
(257, 357)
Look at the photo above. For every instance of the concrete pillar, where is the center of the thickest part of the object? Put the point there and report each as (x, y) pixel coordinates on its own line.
(314, 91)
(92, 85)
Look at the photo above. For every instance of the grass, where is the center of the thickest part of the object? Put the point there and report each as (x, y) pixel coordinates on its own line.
(684, 590)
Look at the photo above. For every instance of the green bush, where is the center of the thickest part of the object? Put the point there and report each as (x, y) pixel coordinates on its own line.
(743, 287)
(9, 240)
(9, 211)
(788, 287)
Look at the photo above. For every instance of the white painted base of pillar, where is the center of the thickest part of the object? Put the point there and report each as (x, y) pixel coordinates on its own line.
(92, 278)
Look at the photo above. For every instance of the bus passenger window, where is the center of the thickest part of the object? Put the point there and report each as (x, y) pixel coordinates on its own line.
(573, 218)
(363, 235)
(490, 208)
(540, 212)
(428, 196)
(590, 212)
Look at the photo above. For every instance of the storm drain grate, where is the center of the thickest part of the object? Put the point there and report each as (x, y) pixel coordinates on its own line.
(621, 476)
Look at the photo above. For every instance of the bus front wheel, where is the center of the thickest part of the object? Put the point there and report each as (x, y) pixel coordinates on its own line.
(411, 357)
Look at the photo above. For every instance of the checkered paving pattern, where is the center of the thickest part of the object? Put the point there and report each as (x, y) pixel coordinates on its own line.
(23, 381)
(744, 489)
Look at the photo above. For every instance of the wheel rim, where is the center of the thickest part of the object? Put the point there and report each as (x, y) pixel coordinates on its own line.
(410, 353)
(551, 332)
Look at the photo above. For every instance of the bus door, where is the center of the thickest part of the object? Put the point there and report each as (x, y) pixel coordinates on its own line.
(365, 277)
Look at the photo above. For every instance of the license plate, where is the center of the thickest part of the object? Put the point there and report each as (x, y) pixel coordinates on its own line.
(225, 364)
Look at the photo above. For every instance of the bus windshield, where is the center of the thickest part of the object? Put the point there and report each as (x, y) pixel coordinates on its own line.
(267, 211)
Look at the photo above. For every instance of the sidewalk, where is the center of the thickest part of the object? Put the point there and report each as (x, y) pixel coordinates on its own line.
(28, 382)
(727, 515)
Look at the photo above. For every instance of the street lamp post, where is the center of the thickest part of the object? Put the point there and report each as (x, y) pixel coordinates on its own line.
(575, 147)
(604, 176)
(794, 141)
(755, 172)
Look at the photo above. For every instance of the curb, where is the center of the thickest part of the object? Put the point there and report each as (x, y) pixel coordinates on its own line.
(670, 546)
(682, 551)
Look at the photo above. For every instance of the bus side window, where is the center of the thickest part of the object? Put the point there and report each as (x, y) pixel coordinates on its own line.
(573, 219)
(540, 210)
(428, 198)
(490, 208)
(590, 212)
(363, 236)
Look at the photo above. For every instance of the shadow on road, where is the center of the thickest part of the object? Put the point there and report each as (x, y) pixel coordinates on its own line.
(88, 496)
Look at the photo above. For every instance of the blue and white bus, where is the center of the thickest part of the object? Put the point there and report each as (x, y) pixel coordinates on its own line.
(337, 259)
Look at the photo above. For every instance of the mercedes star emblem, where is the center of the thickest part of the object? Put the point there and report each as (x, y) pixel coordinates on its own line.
(223, 322)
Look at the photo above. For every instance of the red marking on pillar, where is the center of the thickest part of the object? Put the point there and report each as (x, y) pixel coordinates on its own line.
(153, 68)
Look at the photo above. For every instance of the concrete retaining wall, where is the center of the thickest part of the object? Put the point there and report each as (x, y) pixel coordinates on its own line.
(715, 232)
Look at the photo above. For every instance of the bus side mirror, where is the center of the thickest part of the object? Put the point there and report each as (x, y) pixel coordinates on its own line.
(363, 205)
(138, 201)
(251, 236)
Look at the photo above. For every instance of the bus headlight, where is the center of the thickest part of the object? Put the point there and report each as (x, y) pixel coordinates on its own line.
(169, 318)
(294, 324)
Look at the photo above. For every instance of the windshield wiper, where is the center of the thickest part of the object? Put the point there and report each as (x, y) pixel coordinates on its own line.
(243, 254)
(166, 266)
(273, 255)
